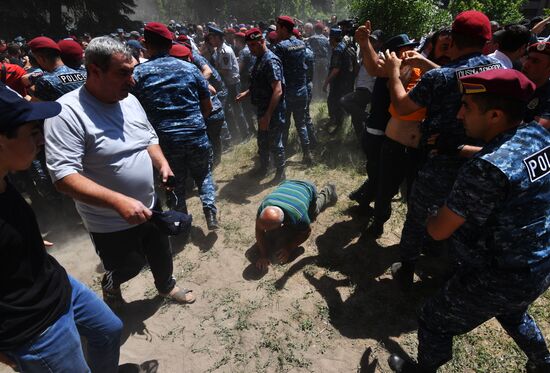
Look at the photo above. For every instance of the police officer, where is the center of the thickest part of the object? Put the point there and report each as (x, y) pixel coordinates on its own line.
(497, 216)
(341, 76)
(176, 99)
(266, 91)
(227, 65)
(292, 53)
(57, 78)
(72, 54)
(537, 69)
(310, 64)
(320, 46)
(438, 92)
(246, 62)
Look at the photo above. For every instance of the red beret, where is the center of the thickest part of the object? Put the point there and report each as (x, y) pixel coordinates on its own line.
(508, 83)
(297, 33)
(240, 35)
(253, 34)
(43, 42)
(542, 47)
(286, 20)
(180, 51)
(273, 36)
(319, 26)
(229, 31)
(182, 38)
(473, 23)
(159, 29)
(71, 49)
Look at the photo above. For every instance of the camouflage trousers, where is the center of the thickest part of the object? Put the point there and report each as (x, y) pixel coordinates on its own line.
(191, 158)
(296, 107)
(474, 296)
(429, 192)
(270, 143)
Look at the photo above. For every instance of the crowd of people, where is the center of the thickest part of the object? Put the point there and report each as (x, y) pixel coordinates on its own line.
(458, 119)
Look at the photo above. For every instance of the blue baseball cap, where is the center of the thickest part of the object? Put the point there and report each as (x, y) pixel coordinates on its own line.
(16, 111)
(335, 32)
(215, 30)
(135, 44)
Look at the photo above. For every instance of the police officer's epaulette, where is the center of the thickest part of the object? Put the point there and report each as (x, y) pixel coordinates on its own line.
(296, 47)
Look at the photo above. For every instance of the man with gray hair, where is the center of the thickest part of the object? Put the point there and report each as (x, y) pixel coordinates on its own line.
(284, 217)
(101, 150)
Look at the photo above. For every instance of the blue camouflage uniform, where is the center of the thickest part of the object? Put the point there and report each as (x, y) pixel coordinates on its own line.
(503, 247)
(539, 106)
(170, 91)
(246, 62)
(343, 58)
(438, 91)
(320, 46)
(216, 126)
(309, 78)
(49, 86)
(292, 53)
(266, 70)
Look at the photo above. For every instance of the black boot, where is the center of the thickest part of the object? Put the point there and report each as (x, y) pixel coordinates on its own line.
(403, 274)
(279, 176)
(400, 365)
(211, 220)
(259, 172)
(358, 195)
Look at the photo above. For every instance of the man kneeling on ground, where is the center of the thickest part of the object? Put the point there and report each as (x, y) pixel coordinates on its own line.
(287, 214)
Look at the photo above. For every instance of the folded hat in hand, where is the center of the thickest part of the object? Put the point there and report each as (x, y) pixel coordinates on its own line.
(172, 222)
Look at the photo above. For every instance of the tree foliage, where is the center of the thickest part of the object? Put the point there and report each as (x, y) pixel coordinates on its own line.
(414, 17)
(56, 17)
(503, 11)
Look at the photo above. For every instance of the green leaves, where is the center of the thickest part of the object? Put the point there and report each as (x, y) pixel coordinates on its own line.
(414, 17)
(503, 11)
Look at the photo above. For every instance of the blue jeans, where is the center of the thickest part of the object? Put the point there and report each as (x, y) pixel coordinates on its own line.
(58, 348)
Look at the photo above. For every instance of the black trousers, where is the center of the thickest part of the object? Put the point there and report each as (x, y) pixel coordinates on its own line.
(396, 163)
(355, 103)
(124, 253)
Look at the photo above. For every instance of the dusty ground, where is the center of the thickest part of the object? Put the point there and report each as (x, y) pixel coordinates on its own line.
(333, 309)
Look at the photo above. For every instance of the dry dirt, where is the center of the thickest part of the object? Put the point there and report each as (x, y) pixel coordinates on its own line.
(333, 309)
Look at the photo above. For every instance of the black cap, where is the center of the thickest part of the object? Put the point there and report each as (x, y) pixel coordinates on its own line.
(172, 222)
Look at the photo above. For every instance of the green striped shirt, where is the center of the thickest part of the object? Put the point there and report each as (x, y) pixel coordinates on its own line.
(294, 197)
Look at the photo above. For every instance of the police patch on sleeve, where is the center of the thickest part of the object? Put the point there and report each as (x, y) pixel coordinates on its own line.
(71, 78)
(538, 164)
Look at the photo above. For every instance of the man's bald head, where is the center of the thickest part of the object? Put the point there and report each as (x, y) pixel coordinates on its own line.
(271, 218)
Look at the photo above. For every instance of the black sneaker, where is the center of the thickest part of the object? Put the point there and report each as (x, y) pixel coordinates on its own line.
(403, 274)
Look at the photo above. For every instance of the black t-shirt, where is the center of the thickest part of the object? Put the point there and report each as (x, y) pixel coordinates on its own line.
(539, 105)
(35, 290)
(380, 103)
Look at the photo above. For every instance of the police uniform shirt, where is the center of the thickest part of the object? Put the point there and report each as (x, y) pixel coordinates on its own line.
(226, 62)
(267, 70)
(439, 92)
(170, 91)
(539, 106)
(320, 46)
(504, 195)
(309, 64)
(247, 60)
(342, 59)
(292, 53)
(215, 80)
(50, 86)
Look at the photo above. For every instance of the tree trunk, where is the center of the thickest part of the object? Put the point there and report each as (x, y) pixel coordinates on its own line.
(57, 28)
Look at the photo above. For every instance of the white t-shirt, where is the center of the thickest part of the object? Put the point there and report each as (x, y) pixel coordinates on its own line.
(504, 60)
(106, 143)
(364, 80)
